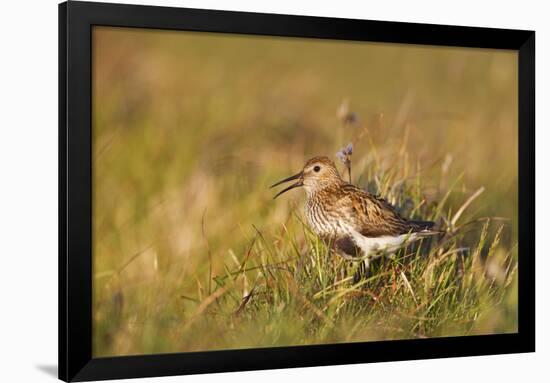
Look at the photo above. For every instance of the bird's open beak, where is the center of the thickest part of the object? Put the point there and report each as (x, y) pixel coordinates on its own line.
(294, 185)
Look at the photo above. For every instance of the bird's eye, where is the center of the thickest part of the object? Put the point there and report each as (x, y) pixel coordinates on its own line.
(317, 168)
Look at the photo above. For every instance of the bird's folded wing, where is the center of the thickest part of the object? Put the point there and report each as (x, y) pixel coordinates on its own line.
(372, 216)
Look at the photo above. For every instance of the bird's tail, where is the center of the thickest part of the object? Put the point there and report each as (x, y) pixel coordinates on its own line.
(424, 227)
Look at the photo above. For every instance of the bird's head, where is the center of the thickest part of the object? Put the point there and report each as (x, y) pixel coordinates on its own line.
(318, 173)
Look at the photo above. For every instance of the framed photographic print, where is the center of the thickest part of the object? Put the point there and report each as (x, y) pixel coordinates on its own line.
(246, 191)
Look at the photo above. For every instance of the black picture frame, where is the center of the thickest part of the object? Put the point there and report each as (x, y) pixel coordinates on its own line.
(76, 20)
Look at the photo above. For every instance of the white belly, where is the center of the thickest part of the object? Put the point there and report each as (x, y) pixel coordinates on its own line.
(372, 247)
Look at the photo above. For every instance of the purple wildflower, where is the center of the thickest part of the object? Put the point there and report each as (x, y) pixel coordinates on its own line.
(349, 149)
(345, 114)
(341, 156)
(344, 155)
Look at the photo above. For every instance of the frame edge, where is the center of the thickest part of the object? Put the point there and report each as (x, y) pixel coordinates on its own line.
(62, 188)
(526, 192)
(75, 262)
(75, 353)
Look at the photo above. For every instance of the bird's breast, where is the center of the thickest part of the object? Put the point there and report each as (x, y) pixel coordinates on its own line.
(323, 220)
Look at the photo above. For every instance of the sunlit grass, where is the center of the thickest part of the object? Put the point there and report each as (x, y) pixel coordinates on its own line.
(283, 286)
(190, 251)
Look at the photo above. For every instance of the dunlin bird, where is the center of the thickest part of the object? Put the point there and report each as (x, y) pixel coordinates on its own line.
(356, 224)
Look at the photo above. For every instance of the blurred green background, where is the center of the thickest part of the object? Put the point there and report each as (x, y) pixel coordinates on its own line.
(190, 129)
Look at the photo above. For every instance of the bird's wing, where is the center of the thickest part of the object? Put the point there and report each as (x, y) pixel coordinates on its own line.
(372, 216)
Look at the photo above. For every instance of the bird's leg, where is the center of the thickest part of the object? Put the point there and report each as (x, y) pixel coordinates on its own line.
(357, 274)
(362, 270)
(366, 265)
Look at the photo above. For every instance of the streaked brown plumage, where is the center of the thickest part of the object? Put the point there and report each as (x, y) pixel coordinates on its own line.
(355, 222)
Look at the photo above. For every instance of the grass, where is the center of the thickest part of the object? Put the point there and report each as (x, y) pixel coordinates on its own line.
(192, 254)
